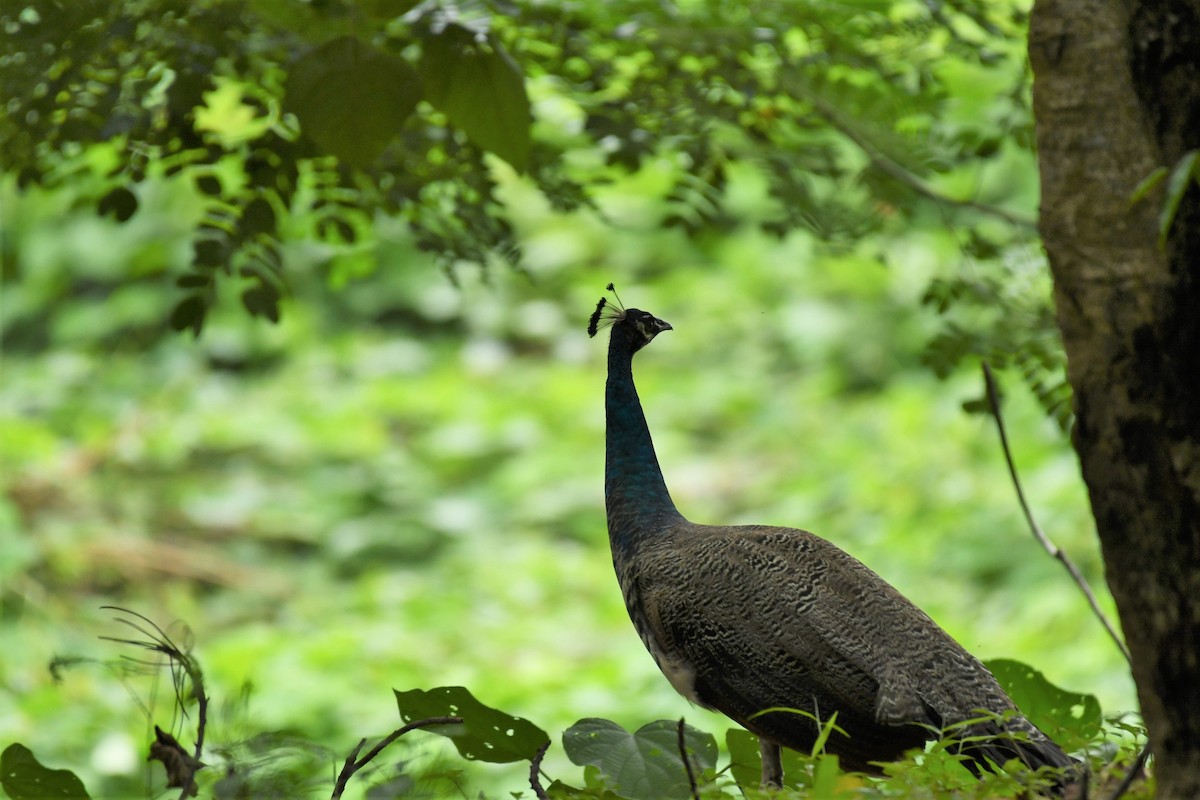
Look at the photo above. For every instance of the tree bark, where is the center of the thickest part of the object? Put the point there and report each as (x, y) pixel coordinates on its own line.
(1117, 94)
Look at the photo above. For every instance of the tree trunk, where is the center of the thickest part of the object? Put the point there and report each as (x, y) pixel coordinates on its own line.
(1117, 94)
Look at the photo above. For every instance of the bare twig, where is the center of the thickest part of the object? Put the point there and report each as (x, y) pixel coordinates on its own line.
(993, 397)
(687, 764)
(178, 658)
(354, 764)
(535, 766)
(1135, 771)
(348, 769)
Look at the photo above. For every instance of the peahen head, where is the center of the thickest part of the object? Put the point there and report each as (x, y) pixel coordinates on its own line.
(632, 328)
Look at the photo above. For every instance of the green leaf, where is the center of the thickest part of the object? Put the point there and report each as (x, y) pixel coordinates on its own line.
(262, 301)
(1069, 718)
(481, 89)
(351, 99)
(644, 765)
(1147, 185)
(193, 280)
(1187, 170)
(563, 791)
(258, 217)
(190, 313)
(210, 251)
(387, 9)
(120, 203)
(485, 734)
(23, 778)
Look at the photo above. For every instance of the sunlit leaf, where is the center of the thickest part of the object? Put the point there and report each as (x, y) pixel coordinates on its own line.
(226, 115)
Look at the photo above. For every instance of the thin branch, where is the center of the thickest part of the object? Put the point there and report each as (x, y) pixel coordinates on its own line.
(687, 764)
(348, 770)
(158, 641)
(993, 397)
(535, 766)
(889, 167)
(352, 765)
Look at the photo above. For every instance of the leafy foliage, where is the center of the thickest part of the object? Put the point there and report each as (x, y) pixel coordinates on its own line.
(859, 118)
(396, 485)
(645, 765)
(1003, 319)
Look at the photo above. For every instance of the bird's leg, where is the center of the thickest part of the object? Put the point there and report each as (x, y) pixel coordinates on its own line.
(772, 766)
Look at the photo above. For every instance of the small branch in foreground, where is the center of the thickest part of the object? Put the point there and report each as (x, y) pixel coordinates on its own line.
(687, 764)
(181, 768)
(993, 398)
(354, 764)
(535, 766)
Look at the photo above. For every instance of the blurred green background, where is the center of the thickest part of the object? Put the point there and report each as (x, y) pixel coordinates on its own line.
(399, 485)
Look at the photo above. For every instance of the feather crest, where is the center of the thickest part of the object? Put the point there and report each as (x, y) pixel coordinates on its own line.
(606, 313)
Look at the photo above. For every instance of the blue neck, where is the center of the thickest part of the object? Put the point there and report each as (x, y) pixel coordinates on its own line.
(635, 493)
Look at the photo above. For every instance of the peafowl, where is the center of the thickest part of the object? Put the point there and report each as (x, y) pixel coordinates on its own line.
(746, 618)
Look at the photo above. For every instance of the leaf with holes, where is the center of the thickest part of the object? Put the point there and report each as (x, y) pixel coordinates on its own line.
(23, 778)
(1069, 718)
(351, 99)
(481, 89)
(485, 734)
(644, 765)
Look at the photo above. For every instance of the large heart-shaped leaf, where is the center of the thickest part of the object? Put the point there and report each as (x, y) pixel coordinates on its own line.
(644, 765)
(478, 86)
(485, 734)
(351, 99)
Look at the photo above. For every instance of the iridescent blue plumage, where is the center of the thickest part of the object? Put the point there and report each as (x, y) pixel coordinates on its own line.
(635, 493)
